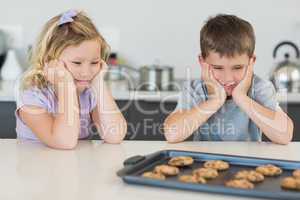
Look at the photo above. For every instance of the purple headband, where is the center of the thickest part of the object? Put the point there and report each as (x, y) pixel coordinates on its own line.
(67, 17)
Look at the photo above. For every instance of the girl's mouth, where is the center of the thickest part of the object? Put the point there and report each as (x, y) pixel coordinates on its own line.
(82, 82)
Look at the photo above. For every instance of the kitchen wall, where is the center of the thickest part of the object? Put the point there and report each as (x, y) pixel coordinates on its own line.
(144, 31)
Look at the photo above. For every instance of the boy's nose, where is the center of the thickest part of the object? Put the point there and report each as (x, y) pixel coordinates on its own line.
(228, 78)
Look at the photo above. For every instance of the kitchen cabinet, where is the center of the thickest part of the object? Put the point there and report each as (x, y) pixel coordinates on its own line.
(7, 119)
(144, 118)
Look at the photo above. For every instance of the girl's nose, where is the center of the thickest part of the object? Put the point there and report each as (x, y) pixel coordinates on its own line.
(85, 71)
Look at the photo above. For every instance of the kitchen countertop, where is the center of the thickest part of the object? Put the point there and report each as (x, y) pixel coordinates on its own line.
(30, 170)
(121, 92)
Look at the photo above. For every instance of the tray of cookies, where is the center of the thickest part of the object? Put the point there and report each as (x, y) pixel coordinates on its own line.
(215, 173)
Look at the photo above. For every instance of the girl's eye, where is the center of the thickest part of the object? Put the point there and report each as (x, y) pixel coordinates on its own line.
(95, 63)
(76, 63)
(218, 68)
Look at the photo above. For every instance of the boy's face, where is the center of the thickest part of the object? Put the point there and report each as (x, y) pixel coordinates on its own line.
(83, 61)
(228, 71)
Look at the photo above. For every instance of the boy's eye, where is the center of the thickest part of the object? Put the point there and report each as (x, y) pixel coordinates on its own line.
(76, 62)
(238, 67)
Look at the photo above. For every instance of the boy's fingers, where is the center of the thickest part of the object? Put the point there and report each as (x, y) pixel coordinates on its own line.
(250, 68)
(205, 69)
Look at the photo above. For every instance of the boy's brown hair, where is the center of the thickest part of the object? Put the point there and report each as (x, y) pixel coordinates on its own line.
(227, 35)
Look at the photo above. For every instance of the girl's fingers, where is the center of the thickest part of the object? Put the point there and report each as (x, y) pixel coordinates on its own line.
(103, 65)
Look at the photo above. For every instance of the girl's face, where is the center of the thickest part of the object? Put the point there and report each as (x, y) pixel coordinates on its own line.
(83, 62)
(228, 71)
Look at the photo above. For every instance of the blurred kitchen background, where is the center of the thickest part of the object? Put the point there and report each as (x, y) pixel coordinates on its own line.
(155, 44)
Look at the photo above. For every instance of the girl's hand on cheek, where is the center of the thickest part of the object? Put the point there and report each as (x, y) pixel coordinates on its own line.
(243, 87)
(56, 72)
(99, 77)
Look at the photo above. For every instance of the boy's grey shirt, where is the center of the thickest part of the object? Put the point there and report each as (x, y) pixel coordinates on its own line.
(229, 123)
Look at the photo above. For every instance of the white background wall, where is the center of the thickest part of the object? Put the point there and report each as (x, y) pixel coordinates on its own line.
(167, 30)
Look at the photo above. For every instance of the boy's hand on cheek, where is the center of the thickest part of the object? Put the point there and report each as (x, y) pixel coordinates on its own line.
(243, 87)
(214, 88)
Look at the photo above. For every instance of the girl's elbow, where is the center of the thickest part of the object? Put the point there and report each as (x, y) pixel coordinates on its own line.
(118, 138)
(70, 145)
(113, 140)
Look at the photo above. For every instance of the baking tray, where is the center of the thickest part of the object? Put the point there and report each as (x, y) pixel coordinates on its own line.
(135, 166)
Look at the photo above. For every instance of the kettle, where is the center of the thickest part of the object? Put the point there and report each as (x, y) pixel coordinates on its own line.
(286, 74)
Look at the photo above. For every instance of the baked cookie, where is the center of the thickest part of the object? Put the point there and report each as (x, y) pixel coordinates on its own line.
(207, 173)
(216, 164)
(181, 161)
(166, 170)
(250, 175)
(240, 183)
(191, 179)
(296, 173)
(269, 170)
(290, 183)
(154, 175)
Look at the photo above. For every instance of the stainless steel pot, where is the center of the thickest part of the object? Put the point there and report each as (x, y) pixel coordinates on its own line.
(155, 77)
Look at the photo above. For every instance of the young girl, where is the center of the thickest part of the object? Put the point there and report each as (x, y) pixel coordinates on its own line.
(63, 94)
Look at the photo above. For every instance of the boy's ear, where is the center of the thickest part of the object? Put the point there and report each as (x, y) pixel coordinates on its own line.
(253, 59)
(200, 59)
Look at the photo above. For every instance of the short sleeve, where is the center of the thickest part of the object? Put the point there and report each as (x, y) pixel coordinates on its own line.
(264, 93)
(192, 93)
(32, 97)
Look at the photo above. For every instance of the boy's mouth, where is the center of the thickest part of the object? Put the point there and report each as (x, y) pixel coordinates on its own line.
(229, 87)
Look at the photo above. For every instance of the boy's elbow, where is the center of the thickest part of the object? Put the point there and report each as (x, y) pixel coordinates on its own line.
(172, 140)
(170, 134)
(289, 135)
(290, 132)
(284, 141)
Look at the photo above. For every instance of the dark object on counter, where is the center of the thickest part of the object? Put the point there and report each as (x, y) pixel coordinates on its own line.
(2, 59)
(286, 74)
(3, 48)
(270, 188)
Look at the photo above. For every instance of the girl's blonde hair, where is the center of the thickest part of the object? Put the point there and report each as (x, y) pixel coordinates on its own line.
(53, 39)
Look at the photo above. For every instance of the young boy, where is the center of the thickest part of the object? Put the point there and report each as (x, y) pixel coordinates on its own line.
(229, 103)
